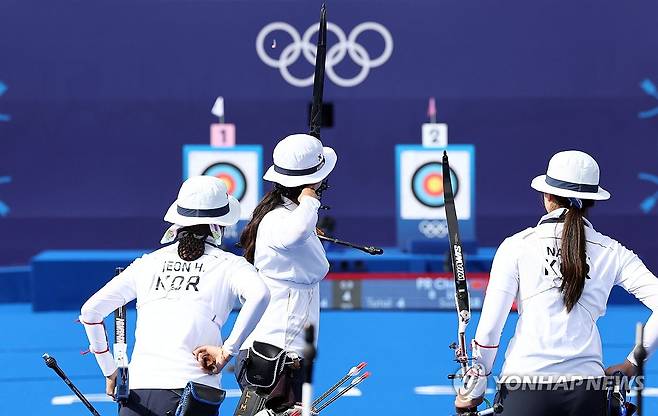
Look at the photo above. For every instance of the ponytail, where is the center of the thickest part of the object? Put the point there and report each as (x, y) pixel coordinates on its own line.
(271, 200)
(192, 241)
(573, 265)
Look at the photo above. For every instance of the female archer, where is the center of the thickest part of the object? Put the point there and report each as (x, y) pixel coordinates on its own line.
(561, 273)
(281, 241)
(184, 294)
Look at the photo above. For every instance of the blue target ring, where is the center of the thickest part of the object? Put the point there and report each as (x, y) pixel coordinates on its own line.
(427, 184)
(233, 177)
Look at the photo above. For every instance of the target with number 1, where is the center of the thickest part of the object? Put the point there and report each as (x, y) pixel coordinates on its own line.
(233, 177)
(240, 167)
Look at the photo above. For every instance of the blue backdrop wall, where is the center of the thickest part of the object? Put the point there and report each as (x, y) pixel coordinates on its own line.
(97, 99)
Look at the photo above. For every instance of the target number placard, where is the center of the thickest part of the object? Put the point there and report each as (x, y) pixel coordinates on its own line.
(222, 135)
(240, 167)
(435, 134)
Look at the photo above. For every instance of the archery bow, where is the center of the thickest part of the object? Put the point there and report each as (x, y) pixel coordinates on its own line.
(318, 88)
(315, 123)
(318, 78)
(462, 299)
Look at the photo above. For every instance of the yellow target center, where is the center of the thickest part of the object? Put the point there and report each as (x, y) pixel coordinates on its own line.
(435, 185)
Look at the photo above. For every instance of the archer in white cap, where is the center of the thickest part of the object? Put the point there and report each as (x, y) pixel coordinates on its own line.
(560, 273)
(281, 241)
(184, 294)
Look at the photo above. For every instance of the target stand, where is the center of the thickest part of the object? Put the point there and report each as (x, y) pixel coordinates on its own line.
(421, 219)
(240, 167)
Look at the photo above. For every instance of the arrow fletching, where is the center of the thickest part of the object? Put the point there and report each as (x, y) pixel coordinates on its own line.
(360, 378)
(356, 370)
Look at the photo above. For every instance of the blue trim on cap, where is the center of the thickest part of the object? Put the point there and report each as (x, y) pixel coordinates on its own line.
(214, 212)
(571, 186)
(299, 172)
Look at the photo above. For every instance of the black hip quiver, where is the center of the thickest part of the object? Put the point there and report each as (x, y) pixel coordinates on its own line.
(269, 371)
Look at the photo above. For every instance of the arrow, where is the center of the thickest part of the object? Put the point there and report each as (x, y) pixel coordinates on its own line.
(355, 382)
(354, 371)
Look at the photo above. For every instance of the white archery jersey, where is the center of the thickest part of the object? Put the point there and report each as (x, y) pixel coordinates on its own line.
(181, 305)
(548, 339)
(292, 261)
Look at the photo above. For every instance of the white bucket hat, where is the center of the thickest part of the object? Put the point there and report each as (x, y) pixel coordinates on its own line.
(203, 200)
(571, 174)
(300, 159)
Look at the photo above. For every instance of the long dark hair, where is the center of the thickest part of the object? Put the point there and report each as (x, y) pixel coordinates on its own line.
(573, 265)
(192, 241)
(271, 200)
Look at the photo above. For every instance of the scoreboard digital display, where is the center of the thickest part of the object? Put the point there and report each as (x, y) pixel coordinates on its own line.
(429, 291)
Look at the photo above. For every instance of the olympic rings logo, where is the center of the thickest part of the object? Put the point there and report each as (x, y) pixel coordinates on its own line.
(347, 45)
(433, 228)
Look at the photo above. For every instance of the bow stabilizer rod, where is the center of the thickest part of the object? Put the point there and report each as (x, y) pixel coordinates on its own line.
(52, 364)
(372, 250)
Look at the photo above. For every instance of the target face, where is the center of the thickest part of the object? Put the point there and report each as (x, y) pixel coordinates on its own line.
(233, 177)
(420, 182)
(427, 184)
(240, 167)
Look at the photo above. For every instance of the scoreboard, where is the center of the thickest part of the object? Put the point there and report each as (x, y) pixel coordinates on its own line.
(428, 291)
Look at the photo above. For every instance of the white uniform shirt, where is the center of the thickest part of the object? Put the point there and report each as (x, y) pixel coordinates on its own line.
(549, 340)
(180, 306)
(292, 261)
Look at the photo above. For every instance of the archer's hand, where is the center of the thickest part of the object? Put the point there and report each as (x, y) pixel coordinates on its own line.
(471, 393)
(466, 406)
(212, 359)
(307, 192)
(110, 383)
(627, 367)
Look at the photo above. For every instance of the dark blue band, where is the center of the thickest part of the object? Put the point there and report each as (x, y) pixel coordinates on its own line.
(215, 212)
(578, 187)
(299, 172)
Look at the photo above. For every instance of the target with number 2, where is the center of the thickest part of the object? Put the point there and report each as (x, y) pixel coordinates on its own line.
(420, 181)
(427, 184)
